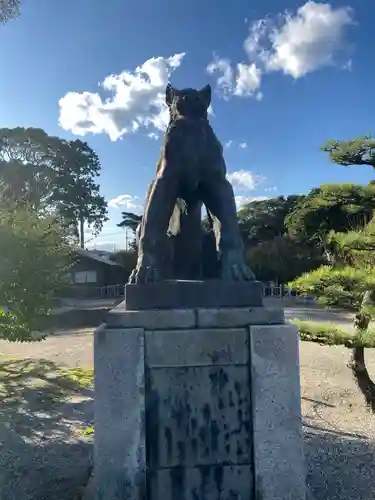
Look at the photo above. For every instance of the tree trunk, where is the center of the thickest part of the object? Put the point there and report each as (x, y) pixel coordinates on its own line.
(82, 232)
(357, 359)
(362, 377)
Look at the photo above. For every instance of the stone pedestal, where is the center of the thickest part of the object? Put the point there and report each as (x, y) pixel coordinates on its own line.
(197, 404)
(185, 294)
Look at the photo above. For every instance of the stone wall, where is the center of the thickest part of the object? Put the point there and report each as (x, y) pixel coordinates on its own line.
(200, 404)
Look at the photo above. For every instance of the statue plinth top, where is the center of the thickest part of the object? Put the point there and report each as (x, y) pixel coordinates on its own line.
(189, 294)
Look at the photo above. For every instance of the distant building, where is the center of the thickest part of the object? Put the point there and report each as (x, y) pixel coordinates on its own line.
(93, 273)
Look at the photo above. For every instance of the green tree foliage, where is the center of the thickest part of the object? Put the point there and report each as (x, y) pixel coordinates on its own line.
(9, 9)
(27, 167)
(130, 220)
(264, 220)
(342, 287)
(75, 191)
(358, 151)
(127, 258)
(270, 251)
(281, 259)
(349, 281)
(35, 259)
(51, 175)
(338, 207)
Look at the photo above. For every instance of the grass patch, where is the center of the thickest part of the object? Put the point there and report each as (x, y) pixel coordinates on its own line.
(89, 431)
(84, 377)
(37, 395)
(322, 333)
(330, 334)
(40, 384)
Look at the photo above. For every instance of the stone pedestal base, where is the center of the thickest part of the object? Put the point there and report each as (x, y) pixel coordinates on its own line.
(200, 404)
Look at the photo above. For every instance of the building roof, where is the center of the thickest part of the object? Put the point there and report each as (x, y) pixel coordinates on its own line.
(99, 257)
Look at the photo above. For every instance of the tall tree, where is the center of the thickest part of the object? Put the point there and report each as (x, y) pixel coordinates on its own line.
(282, 258)
(271, 252)
(349, 280)
(51, 174)
(130, 220)
(75, 192)
(338, 207)
(28, 161)
(358, 151)
(9, 9)
(264, 220)
(25, 184)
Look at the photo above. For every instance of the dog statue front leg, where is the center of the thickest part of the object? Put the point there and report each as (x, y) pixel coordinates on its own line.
(153, 241)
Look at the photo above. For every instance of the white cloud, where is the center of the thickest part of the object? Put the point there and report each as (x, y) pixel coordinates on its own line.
(301, 43)
(294, 44)
(269, 189)
(210, 111)
(243, 200)
(230, 143)
(127, 202)
(244, 81)
(247, 80)
(224, 82)
(244, 179)
(136, 101)
(110, 236)
(348, 65)
(154, 136)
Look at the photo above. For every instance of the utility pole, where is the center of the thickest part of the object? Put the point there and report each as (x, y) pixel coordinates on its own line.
(81, 231)
(82, 219)
(126, 239)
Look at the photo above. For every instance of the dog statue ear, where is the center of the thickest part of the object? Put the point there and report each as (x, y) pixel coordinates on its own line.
(206, 95)
(170, 92)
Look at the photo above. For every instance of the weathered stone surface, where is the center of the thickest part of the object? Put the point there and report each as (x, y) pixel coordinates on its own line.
(220, 402)
(151, 319)
(119, 445)
(239, 316)
(203, 347)
(278, 443)
(198, 416)
(203, 483)
(193, 294)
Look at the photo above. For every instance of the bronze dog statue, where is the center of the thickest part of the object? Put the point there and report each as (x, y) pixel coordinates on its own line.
(191, 171)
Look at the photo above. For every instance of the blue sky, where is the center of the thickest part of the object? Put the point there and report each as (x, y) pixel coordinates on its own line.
(286, 76)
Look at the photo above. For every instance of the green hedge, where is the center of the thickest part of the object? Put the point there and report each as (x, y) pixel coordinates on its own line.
(330, 334)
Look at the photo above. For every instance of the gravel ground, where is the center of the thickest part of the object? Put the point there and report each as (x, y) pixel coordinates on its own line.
(68, 347)
(339, 431)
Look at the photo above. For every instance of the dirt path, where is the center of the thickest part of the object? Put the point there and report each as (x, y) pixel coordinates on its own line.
(74, 347)
(339, 431)
(44, 453)
(71, 347)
